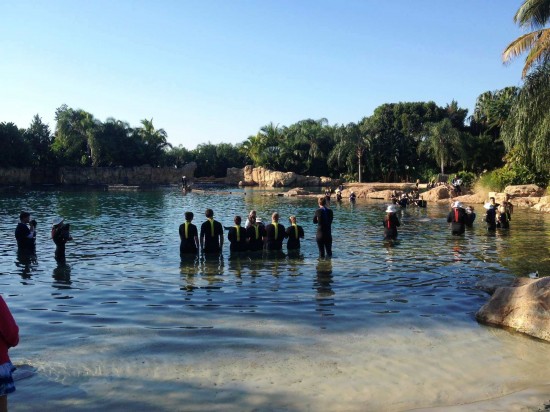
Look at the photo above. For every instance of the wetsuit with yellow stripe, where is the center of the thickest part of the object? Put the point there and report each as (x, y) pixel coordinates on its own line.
(188, 234)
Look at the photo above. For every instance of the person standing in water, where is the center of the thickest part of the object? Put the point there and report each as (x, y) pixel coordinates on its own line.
(255, 233)
(274, 234)
(470, 216)
(237, 236)
(323, 219)
(9, 337)
(189, 236)
(211, 236)
(457, 218)
(25, 233)
(294, 233)
(391, 222)
(490, 217)
(60, 236)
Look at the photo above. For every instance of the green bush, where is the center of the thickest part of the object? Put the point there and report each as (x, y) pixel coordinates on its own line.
(508, 175)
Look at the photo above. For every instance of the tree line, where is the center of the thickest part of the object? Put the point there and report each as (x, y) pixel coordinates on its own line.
(507, 135)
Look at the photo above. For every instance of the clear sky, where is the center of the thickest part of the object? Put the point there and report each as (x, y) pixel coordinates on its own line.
(219, 70)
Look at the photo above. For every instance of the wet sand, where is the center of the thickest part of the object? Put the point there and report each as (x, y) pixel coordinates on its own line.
(280, 367)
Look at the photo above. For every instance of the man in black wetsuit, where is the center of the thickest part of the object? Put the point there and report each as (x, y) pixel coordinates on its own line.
(25, 233)
(189, 236)
(255, 233)
(294, 233)
(237, 236)
(211, 237)
(274, 234)
(323, 219)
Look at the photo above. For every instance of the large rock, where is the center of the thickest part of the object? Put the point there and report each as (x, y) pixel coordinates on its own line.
(543, 205)
(380, 194)
(15, 176)
(470, 199)
(437, 193)
(260, 176)
(523, 190)
(523, 308)
(525, 201)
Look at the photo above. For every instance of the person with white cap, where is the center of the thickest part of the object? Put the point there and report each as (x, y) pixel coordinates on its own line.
(391, 222)
(457, 218)
(60, 236)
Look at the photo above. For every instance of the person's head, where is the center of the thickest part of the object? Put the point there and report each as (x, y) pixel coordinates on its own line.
(275, 217)
(58, 222)
(323, 201)
(292, 219)
(209, 213)
(24, 217)
(252, 214)
(457, 205)
(189, 216)
(391, 209)
(492, 200)
(237, 220)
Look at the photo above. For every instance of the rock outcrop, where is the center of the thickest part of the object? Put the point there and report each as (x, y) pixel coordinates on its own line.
(260, 176)
(523, 191)
(524, 308)
(437, 193)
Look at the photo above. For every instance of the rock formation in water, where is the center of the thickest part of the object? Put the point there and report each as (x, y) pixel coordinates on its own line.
(260, 176)
(524, 308)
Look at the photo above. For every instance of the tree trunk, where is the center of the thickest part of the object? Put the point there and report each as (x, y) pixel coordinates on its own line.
(360, 167)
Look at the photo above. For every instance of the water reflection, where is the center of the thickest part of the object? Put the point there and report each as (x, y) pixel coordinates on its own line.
(323, 285)
(62, 276)
(25, 263)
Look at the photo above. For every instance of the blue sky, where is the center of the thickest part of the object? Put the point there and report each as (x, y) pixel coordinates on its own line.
(220, 70)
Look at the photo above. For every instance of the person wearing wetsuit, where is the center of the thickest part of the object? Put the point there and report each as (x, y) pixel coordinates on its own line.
(60, 236)
(490, 217)
(255, 234)
(189, 236)
(25, 233)
(294, 233)
(274, 234)
(237, 236)
(470, 216)
(503, 217)
(391, 222)
(457, 219)
(323, 219)
(211, 236)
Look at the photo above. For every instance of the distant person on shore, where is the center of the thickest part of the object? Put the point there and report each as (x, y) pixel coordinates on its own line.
(456, 182)
(255, 233)
(211, 236)
(274, 233)
(189, 236)
(470, 216)
(457, 219)
(294, 233)
(323, 219)
(60, 235)
(391, 222)
(25, 233)
(237, 236)
(327, 194)
(490, 216)
(9, 337)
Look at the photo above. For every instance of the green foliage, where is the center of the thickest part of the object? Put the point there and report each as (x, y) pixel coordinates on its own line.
(15, 150)
(511, 174)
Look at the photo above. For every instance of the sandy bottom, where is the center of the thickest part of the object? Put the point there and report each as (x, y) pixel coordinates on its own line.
(411, 367)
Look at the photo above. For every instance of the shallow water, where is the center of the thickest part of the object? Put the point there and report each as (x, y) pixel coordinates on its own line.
(125, 324)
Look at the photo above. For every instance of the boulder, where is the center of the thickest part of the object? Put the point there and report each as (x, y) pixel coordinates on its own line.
(234, 176)
(474, 198)
(297, 192)
(525, 308)
(380, 194)
(523, 190)
(525, 201)
(437, 193)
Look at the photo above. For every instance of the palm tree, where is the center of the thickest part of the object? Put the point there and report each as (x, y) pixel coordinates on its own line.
(441, 140)
(533, 14)
(154, 140)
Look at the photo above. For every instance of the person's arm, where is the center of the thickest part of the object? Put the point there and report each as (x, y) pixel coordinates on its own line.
(220, 234)
(202, 237)
(9, 331)
(315, 218)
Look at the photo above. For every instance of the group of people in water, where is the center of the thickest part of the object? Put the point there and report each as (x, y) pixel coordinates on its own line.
(254, 235)
(496, 216)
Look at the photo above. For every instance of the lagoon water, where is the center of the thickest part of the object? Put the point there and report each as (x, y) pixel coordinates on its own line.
(125, 325)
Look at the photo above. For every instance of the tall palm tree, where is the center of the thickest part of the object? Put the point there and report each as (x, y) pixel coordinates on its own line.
(532, 14)
(441, 140)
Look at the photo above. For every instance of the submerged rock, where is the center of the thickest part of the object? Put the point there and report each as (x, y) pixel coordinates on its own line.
(525, 308)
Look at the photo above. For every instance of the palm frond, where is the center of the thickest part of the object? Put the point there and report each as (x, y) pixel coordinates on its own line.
(520, 46)
(533, 13)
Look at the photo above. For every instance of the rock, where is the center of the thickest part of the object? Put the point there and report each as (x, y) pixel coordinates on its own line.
(297, 192)
(437, 193)
(260, 176)
(381, 194)
(525, 201)
(234, 176)
(474, 198)
(491, 283)
(523, 308)
(523, 190)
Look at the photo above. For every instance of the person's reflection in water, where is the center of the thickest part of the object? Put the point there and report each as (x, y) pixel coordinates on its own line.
(188, 269)
(236, 265)
(212, 264)
(295, 261)
(25, 261)
(323, 285)
(62, 276)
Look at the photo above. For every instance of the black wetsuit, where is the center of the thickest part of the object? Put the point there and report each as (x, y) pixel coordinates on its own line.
(24, 242)
(274, 241)
(503, 220)
(391, 223)
(323, 218)
(211, 236)
(470, 218)
(255, 235)
(294, 233)
(237, 239)
(60, 236)
(457, 219)
(490, 218)
(188, 245)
